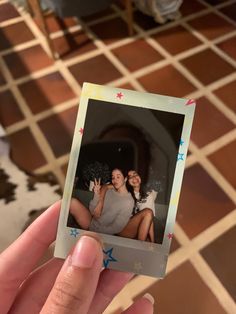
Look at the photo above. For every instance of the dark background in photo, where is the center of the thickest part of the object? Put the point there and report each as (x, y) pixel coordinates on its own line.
(129, 137)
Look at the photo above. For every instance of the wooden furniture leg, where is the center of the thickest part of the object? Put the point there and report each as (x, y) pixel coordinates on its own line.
(129, 15)
(36, 10)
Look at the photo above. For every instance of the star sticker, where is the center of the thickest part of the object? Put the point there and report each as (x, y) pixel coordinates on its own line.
(181, 142)
(170, 236)
(138, 266)
(81, 131)
(190, 102)
(110, 257)
(74, 232)
(180, 157)
(119, 95)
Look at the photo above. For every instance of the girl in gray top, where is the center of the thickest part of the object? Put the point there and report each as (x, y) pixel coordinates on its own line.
(115, 216)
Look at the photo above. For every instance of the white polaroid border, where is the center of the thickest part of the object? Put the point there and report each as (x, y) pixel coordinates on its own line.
(130, 255)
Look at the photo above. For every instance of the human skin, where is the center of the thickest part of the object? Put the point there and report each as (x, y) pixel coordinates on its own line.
(81, 214)
(138, 226)
(135, 182)
(76, 285)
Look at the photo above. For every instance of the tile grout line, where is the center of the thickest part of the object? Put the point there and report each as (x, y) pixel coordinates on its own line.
(160, 29)
(31, 123)
(58, 66)
(207, 271)
(188, 251)
(42, 115)
(207, 274)
(36, 132)
(115, 61)
(214, 172)
(11, 21)
(221, 142)
(122, 65)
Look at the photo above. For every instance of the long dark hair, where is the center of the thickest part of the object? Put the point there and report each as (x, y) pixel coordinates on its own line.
(122, 171)
(142, 195)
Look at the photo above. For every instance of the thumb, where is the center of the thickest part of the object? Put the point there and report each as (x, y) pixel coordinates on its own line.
(76, 283)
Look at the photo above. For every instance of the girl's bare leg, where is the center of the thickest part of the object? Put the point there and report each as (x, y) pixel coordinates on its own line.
(138, 226)
(80, 213)
(151, 233)
(145, 224)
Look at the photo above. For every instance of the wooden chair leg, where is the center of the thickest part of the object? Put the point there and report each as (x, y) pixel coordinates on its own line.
(36, 10)
(129, 14)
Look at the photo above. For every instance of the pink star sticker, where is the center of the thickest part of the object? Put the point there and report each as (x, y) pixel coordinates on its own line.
(170, 236)
(81, 131)
(119, 95)
(190, 102)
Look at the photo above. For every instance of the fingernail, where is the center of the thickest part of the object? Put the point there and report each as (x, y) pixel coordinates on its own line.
(149, 297)
(85, 252)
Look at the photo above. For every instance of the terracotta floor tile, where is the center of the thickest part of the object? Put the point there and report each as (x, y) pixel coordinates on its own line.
(73, 44)
(55, 23)
(26, 61)
(46, 92)
(95, 70)
(9, 110)
(191, 7)
(174, 245)
(64, 169)
(212, 25)
(207, 66)
(25, 151)
(14, 34)
(111, 30)
(224, 160)
(230, 11)
(2, 79)
(183, 292)
(221, 256)
(229, 47)
(98, 15)
(227, 94)
(159, 82)
(144, 21)
(59, 129)
(126, 86)
(209, 123)
(137, 54)
(176, 39)
(202, 202)
(7, 12)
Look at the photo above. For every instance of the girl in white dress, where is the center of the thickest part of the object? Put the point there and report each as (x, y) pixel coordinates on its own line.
(143, 200)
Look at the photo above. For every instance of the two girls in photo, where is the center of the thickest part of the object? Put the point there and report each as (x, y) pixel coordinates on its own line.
(121, 208)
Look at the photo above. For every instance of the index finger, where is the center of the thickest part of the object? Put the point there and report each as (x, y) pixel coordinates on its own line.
(17, 261)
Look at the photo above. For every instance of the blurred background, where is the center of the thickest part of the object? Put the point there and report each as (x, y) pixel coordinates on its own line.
(177, 48)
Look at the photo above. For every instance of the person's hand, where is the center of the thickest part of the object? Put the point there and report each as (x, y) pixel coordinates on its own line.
(75, 285)
(97, 186)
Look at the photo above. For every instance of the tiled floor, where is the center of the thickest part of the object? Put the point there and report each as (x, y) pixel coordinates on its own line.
(194, 57)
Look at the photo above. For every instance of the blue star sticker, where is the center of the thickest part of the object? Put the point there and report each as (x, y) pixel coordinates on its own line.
(181, 142)
(74, 232)
(110, 257)
(180, 156)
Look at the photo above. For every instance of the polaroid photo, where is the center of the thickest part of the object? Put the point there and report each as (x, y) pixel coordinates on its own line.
(124, 176)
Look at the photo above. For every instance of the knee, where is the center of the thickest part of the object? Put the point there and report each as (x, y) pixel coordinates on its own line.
(148, 213)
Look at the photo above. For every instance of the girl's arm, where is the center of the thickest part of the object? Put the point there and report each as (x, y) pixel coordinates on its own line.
(98, 209)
